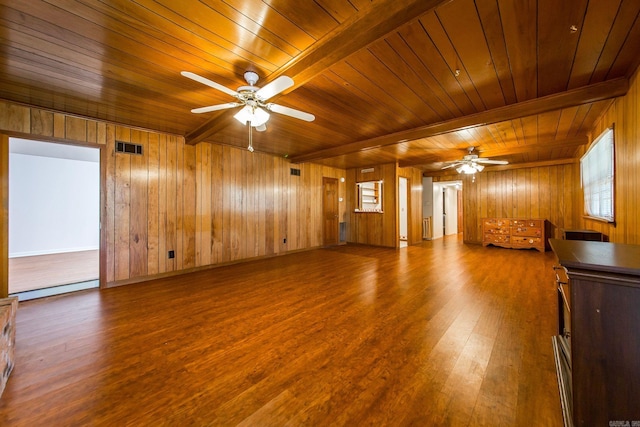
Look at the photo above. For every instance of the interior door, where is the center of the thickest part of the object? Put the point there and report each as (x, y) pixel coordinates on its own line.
(331, 221)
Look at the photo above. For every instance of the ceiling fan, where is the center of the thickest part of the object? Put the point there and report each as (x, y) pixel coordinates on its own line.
(471, 163)
(253, 99)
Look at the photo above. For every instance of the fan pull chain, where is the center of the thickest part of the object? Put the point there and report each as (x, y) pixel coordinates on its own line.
(250, 139)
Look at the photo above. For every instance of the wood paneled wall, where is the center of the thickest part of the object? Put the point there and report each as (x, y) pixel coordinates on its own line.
(554, 192)
(624, 114)
(533, 192)
(4, 216)
(381, 229)
(372, 228)
(414, 177)
(209, 203)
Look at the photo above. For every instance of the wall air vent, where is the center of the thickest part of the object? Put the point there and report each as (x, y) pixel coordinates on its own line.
(295, 172)
(125, 147)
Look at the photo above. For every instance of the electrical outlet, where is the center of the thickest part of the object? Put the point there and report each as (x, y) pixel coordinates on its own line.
(172, 254)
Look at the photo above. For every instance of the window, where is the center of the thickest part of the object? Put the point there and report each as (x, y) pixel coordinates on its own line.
(597, 173)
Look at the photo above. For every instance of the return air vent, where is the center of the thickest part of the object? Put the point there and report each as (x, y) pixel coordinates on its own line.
(295, 172)
(125, 147)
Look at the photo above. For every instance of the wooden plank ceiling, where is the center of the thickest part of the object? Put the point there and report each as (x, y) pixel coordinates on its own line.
(414, 81)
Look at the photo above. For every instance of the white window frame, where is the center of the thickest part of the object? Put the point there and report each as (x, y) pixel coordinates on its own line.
(597, 176)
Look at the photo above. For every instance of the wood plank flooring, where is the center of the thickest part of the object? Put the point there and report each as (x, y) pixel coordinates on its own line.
(44, 271)
(440, 334)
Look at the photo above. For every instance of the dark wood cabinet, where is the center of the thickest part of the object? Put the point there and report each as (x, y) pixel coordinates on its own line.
(591, 235)
(598, 346)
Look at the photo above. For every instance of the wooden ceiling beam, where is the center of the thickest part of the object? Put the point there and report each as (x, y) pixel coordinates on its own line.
(497, 152)
(496, 168)
(588, 94)
(361, 30)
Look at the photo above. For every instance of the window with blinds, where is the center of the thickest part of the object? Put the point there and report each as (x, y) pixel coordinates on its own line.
(597, 169)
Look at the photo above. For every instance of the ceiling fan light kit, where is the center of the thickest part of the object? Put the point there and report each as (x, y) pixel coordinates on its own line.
(253, 115)
(471, 163)
(469, 168)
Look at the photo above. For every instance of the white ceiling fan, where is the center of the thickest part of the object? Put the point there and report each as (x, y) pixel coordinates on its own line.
(471, 163)
(253, 99)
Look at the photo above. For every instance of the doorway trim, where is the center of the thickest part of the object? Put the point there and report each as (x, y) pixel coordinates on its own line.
(4, 215)
(4, 198)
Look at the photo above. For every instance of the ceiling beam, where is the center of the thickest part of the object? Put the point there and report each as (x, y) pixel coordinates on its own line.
(362, 29)
(497, 152)
(572, 98)
(496, 168)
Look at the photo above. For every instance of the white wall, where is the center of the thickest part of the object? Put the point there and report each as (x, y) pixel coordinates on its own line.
(427, 197)
(451, 199)
(437, 211)
(447, 191)
(54, 204)
(402, 201)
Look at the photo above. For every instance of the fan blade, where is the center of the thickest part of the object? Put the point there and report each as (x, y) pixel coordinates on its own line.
(491, 162)
(297, 114)
(215, 107)
(452, 165)
(275, 87)
(209, 83)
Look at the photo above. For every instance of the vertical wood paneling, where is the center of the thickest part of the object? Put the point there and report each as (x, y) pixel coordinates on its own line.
(209, 203)
(382, 229)
(534, 201)
(216, 204)
(536, 192)
(138, 206)
(282, 191)
(109, 222)
(122, 209)
(162, 203)
(204, 197)
(15, 118)
(59, 125)
(153, 234)
(41, 122)
(76, 128)
(172, 203)
(188, 192)
(623, 115)
(269, 203)
(180, 252)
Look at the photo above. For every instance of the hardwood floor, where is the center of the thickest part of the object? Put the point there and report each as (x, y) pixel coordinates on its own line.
(441, 334)
(44, 271)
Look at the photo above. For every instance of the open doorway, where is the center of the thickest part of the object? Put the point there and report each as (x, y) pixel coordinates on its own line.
(447, 200)
(403, 187)
(54, 218)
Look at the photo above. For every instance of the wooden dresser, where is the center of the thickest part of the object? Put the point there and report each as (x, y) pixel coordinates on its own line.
(597, 348)
(515, 233)
(8, 309)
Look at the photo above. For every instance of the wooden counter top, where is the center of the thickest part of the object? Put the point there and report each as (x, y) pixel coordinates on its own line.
(601, 256)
